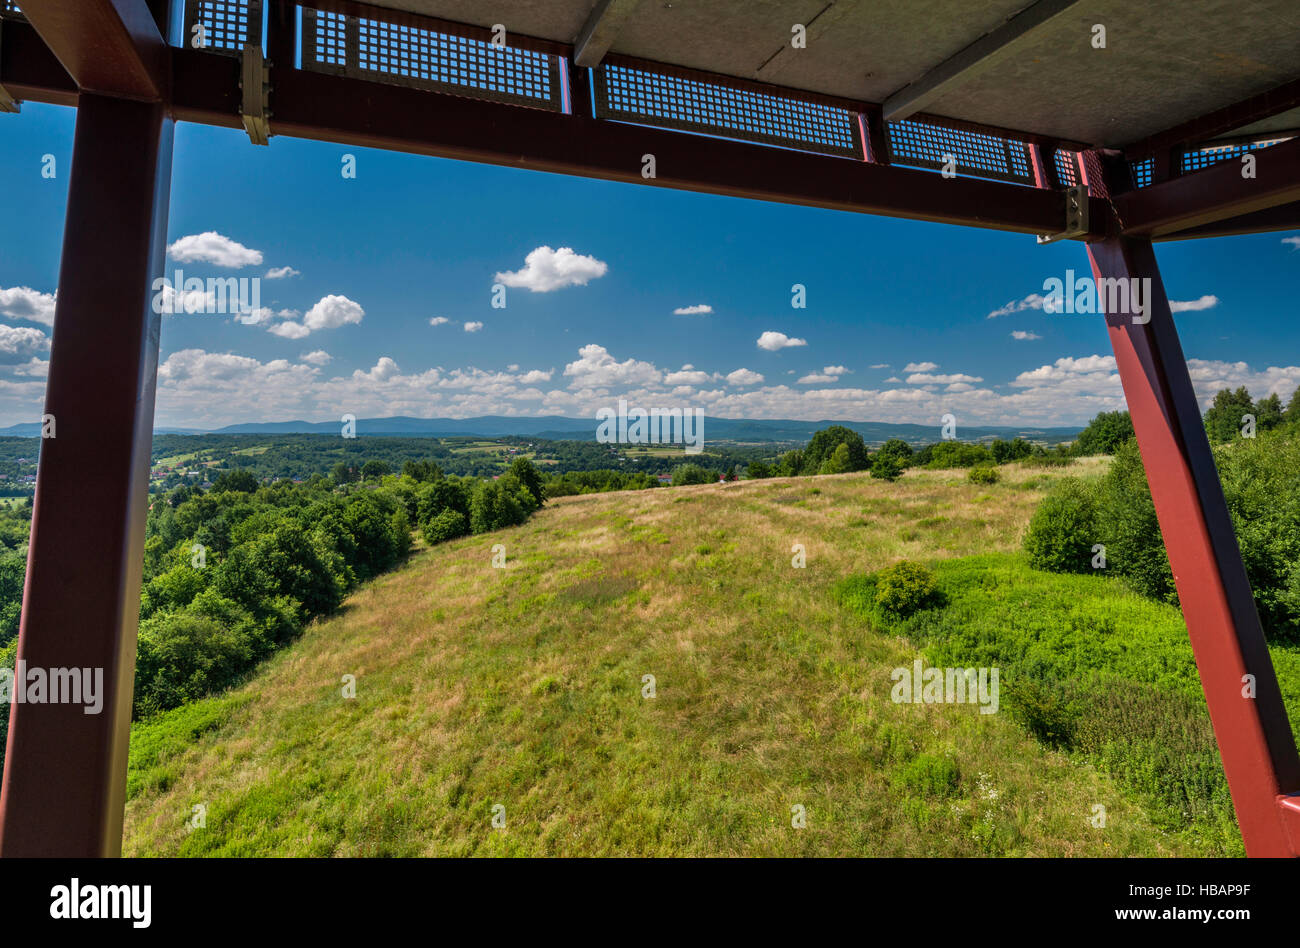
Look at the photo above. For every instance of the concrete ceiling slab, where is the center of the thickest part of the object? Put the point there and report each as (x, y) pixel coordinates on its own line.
(1165, 61)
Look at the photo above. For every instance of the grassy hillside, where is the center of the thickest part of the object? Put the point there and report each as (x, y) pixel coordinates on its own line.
(523, 687)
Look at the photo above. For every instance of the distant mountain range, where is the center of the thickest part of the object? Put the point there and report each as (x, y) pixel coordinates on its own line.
(560, 428)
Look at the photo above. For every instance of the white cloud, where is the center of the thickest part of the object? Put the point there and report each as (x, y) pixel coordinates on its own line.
(473, 326)
(439, 321)
(597, 369)
(204, 389)
(289, 330)
(1022, 334)
(772, 341)
(1293, 241)
(331, 312)
(828, 374)
(743, 378)
(545, 270)
(920, 366)
(211, 247)
(924, 378)
(880, 365)
(280, 273)
(690, 375)
(1032, 301)
(257, 317)
(34, 368)
(1193, 306)
(22, 302)
(319, 357)
(21, 343)
(700, 309)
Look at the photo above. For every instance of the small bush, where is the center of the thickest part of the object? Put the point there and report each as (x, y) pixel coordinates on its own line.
(886, 467)
(905, 588)
(446, 526)
(983, 474)
(1064, 529)
(931, 775)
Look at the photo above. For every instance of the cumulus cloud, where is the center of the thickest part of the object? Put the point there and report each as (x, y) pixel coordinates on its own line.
(597, 369)
(828, 374)
(925, 378)
(333, 311)
(772, 341)
(21, 343)
(289, 330)
(546, 270)
(281, 273)
(690, 375)
(699, 309)
(22, 302)
(473, 326)
(439, 321)
(319, 357)
(880, 365)
(211, 247)
(920, 366)
(742, 378)
(1192, 306)
(1032, 301)
(1293, 241)
(1022, 334)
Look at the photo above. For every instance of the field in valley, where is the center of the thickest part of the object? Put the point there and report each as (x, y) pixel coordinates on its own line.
(519, 693)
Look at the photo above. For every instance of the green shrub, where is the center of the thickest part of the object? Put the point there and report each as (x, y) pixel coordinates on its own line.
(1064, 529)
(1129, 528)
(931, 775)
(445, 526)
(692, 474)
(886, 467)
(983, 474)
(904, 588)
(948, 454)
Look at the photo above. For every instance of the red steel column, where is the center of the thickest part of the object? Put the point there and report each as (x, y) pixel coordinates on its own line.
(65, 770)
(1255, 740)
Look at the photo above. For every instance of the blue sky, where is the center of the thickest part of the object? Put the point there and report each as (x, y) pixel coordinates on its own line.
(897, 326)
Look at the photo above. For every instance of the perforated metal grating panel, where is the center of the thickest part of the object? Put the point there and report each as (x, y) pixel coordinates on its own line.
(1067, 167)
(228, 25)
(407, 55)
(1142, 171)
(973, 154)
(1200, 158)
(645, 97)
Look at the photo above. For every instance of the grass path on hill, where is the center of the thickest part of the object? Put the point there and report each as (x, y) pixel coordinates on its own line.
(522, 687)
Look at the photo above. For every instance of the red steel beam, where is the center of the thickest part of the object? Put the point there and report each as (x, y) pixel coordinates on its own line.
(1282, 217)
(65, 770)
(107, 46)
(1254, 737)
(1218, 193)
(353, 112)
(29, 70)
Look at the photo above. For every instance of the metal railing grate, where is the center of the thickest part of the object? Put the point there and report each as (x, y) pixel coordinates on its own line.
(1197, 159)
(426, 58)
(644, 96)
(971, 154)
(227, 25)
(1067, 167)
(1142, 172)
